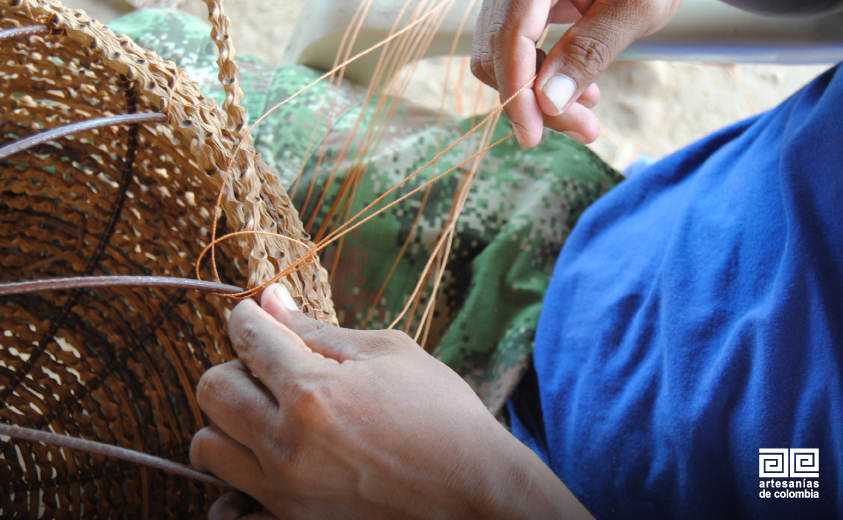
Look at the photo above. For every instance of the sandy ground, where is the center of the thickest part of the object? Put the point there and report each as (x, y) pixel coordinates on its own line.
(650, 108)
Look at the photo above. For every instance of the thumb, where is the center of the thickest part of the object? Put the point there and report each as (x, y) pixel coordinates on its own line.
(278, 303)
(331, 342)
(587, 48)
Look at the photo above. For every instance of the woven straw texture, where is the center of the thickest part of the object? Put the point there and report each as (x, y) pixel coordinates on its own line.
(120, 365)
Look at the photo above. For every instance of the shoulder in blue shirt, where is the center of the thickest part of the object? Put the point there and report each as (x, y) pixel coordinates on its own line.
(695, 317)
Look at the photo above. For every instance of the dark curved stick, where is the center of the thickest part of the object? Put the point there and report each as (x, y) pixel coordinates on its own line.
(26, 30)
(75, 128)
(107, 450)
(83, 282)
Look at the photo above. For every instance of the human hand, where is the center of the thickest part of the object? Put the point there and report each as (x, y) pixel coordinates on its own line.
(504, 56)
(315, 421)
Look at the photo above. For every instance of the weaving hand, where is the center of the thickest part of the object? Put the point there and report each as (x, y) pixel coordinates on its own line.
(504, 56)
(316, 421)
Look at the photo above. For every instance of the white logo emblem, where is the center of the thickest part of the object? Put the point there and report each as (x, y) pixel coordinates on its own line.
(805, 463)
(793, 463)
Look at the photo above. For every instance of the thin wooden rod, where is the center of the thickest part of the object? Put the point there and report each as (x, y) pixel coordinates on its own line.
(76, 128)
(26, 30)
(82, 282)
(107, 450)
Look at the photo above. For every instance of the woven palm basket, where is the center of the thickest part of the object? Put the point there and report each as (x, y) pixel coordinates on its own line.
(120, 364)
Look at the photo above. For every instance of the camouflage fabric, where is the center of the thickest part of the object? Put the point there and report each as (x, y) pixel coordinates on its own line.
(522, 205)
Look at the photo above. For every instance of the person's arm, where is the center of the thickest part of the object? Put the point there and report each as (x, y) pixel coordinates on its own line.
(504, 54)
(316, 421)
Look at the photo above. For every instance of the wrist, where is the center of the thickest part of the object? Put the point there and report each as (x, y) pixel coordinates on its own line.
(516, 484)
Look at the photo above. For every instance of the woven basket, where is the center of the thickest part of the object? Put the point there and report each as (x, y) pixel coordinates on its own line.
(120, 364)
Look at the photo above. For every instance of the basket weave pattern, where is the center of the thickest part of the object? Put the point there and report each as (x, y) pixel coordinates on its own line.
(120, 365)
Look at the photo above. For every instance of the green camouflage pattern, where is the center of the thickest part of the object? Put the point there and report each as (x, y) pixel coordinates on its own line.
(521, 208)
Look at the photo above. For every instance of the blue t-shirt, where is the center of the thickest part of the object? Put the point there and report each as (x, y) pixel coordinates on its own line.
(695, 317)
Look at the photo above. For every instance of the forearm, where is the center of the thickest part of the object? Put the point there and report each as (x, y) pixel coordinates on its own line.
(537, 493)
(509, 481)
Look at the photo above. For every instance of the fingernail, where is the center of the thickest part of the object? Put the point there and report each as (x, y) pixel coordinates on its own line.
(518, 134)
(576, 136)
(559, 89)
(283, 295)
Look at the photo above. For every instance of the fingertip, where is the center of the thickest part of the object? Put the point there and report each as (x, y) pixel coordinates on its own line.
(527, 124)
(526, 118)
(586, 133)
(525, 138)
(556, 93)
(233, 506)
(197, 448)
(277, 302)
(589, 127)
(590, 97)
(295, 321)
(519, 134)
(206, 386)
(268, 295)
(583, 135)
(576, 136)
(578, 123)
(241, 312)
